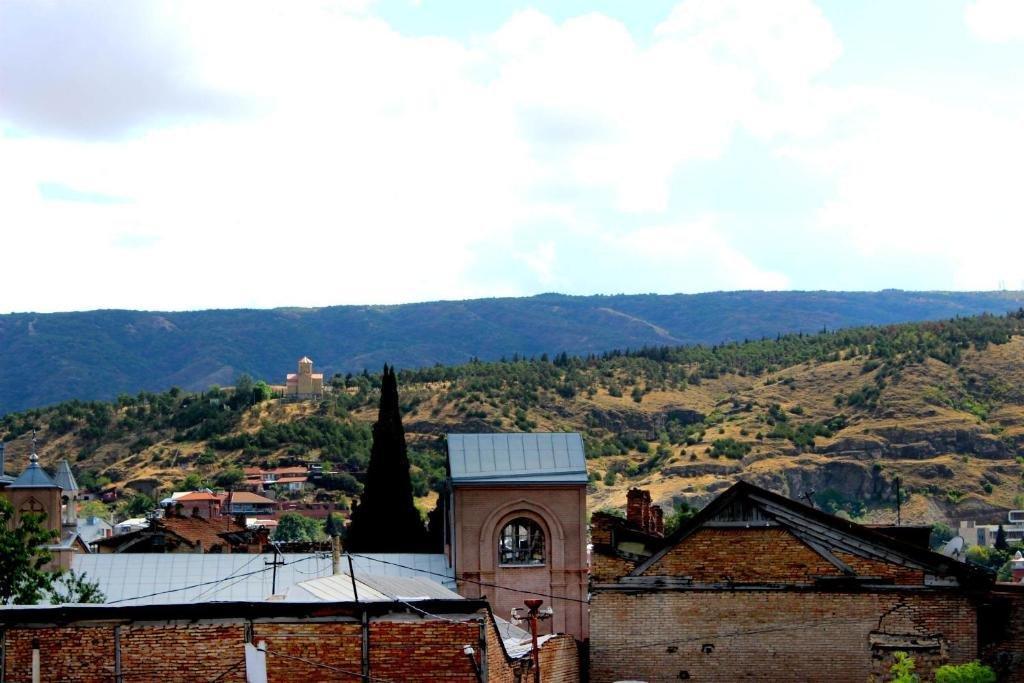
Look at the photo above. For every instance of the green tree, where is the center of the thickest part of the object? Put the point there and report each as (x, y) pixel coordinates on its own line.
(93, 508)
(386, 519)
(22, 556)
(941, 533)
(70, 587)
(334, 526)
(193, 482)
(229, 478)
(293, 527)
(1001, 543)
(138, 505)
(972, 672)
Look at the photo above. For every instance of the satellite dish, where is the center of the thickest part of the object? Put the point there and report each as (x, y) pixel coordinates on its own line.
(954, 547)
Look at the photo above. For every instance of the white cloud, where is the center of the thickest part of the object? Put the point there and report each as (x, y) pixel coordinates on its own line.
(697, 248)
(267, 154)
(995, 21)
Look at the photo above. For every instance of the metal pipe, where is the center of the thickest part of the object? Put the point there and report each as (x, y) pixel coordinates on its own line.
(118, 675)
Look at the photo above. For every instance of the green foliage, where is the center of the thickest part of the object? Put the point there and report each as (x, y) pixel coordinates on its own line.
(138, 505)
(293, 527)
(229, 478)
(93, 508)
(902, 669)
(972, 672)
(941, 533)
(23, 556)
(730, 448)
(193, 482)
(334, 525)
(340, 481)
(681, 511)
(70, 587)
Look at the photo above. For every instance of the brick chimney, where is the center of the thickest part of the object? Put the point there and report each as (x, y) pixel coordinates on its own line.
(657, 521)
(638, 508)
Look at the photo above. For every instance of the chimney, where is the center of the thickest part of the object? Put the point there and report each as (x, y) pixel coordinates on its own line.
(657, 521)
(638, 508)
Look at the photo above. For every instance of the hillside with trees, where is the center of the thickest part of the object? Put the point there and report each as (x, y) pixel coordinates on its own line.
(834, 415)
(93, 355)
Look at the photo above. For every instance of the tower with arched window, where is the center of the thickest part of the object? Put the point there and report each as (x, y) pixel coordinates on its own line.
(515, 522)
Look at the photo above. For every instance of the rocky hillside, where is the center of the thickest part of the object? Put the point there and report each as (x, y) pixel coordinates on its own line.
(89, 355)
(836, 415)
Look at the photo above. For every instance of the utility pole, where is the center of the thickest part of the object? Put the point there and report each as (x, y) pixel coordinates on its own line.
(899, 502)
(275, 564)
(533, 615)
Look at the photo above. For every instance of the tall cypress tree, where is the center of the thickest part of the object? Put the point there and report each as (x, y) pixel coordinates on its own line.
(386, 520)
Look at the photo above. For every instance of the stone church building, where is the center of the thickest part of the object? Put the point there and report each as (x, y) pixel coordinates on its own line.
(516, 516)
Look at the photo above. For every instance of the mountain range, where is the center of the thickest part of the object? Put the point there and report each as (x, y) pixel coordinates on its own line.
(51, 357)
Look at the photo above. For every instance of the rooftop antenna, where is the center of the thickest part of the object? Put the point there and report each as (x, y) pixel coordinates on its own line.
(809, 497)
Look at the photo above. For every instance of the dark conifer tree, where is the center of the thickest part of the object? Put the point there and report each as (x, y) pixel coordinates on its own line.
(1001, 543)
(386, 520)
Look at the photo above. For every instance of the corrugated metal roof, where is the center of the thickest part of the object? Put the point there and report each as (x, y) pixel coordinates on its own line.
(538, 457)
(371, 588)
(133, 578)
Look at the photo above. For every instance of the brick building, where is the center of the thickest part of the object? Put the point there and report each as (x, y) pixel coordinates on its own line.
(516, 516)
(757, 586)
(411, 640)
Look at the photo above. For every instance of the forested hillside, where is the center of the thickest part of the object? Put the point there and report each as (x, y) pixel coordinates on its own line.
(47, 358)
(837, 415)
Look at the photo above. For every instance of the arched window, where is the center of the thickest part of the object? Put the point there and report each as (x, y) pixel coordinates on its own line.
(521, 542)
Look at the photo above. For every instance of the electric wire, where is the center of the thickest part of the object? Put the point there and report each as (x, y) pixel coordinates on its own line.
(230, 576)
(474, 581)
(207, 583)
(329, 667)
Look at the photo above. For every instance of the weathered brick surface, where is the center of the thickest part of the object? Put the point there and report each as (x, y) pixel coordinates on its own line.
(301, 652)
(768, 635)
(81, 655)
(759, 555)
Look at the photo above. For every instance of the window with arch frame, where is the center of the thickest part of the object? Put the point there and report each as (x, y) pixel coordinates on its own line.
(521, 543)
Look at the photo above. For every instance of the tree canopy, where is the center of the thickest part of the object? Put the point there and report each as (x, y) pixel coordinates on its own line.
(23, 555)
(386, 519)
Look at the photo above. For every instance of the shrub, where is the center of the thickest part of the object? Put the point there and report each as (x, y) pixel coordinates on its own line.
(730, 448)
(972, 672)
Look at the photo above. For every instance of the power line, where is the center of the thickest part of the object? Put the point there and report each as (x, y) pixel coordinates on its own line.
(229, 576)
(228, 670)
(468, 580)
(206, 583)
(329, 667)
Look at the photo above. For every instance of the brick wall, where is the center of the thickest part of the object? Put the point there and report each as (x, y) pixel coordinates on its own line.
(769, 635)
(401, 649)
(759, 555)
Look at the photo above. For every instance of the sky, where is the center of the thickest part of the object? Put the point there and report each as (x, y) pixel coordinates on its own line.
(189, 154)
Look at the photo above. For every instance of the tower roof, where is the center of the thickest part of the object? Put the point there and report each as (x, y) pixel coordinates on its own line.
(305, 359)
(64, 478)
(34, 476)
(535, 458)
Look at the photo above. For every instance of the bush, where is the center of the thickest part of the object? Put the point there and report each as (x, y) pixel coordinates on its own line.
(972, 672)
(730, 448)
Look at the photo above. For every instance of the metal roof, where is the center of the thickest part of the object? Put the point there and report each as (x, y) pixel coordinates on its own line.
(64, 478)
(133, 578)
(34, 476)
(370, 587)
(538, 457)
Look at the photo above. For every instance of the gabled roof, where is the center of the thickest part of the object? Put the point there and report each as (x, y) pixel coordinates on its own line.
(545, 457)
(821, 531)
(196, 496)
(34, 477)
(64, 477)
(247, 497)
